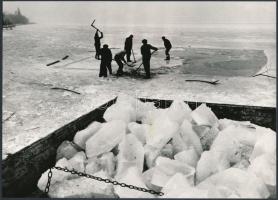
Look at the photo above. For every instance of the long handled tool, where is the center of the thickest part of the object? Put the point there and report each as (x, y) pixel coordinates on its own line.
(133, 56)
(142, 63)
(92, 25)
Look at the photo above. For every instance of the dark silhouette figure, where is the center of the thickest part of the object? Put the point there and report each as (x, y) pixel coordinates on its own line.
(119, 58)
(106, 59)
(128, 47)
(97, 43)
(146, 56)
(168, 46)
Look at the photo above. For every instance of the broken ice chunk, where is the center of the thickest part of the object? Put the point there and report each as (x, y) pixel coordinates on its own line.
(245, 184)
(82, 136)
(265, 143)
(93, 165)
(178, 111)
(204, 116)
(194, 193)
(178, 187)
(207, 135)
(210, 163)
(66, 150)
(139, 130)
(186, 138)
(110, 134)
(165, 168)
(147, 177)
(142, 109)
(189, 157)
(120, 111)
(175, 186)
(151, 153)
(132, 176)
(78, 161)
(131, 151)
(167, 151)
(225, 123)
(228, 146)
(108, 163)
(161, 131)
(152, 115)
(57, 175)
(189, 135)
(264, 167)
(82, 187)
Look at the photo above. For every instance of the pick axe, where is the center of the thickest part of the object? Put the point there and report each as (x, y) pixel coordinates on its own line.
(92, 25)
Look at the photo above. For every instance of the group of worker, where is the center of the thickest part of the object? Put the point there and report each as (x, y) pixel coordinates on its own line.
(105, 55)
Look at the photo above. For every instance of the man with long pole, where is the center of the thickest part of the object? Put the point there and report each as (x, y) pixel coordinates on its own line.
(97, 40)
(146, 56)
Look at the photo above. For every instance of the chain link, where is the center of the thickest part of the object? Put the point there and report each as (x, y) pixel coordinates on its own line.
(114, 182)
(48, 181)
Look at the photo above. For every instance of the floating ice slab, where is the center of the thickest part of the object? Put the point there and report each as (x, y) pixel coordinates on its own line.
(82, 136)
(245, 184)
(204, 116)
(131, 151)
(110, 134)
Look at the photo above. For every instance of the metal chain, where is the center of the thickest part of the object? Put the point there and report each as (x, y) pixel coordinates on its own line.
(73, 171)
(48, 181)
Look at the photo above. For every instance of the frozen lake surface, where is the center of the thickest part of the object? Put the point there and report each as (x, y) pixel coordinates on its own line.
(38, 110)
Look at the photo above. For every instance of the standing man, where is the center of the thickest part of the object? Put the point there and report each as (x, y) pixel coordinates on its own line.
(146, 56)
(97, 43)
(168, 46)
(128, 47)
(106, 59)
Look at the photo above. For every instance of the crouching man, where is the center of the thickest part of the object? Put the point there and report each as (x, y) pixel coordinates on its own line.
(120, 59)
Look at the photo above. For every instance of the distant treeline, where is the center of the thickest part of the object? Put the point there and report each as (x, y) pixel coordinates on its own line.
(16, 18)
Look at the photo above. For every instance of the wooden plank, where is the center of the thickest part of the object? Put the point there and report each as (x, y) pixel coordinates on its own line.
(22, 170)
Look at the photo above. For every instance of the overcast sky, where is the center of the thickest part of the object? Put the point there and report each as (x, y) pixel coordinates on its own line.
(146, 12)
